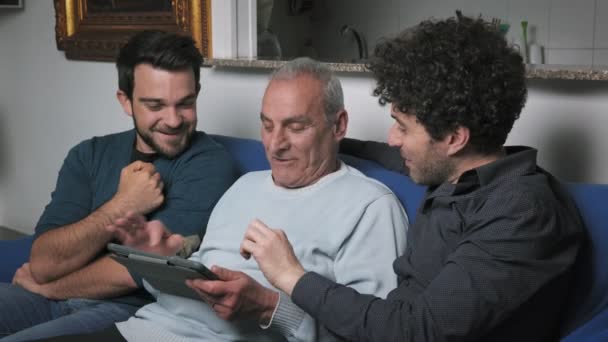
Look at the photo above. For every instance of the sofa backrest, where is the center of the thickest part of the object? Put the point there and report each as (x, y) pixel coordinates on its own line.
(589, 295)
(248, 154)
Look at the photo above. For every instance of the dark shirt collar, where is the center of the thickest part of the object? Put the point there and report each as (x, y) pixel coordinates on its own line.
(145, 157)
(518, 160)
(137, 155)
(141, 156)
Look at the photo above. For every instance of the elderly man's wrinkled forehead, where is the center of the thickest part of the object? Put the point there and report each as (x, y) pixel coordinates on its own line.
(301, 96)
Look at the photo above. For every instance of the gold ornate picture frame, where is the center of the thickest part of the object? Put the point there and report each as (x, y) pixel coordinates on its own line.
(11, 4)
(96, 29)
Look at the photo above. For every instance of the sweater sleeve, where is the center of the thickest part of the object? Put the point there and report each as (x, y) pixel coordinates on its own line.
(286, 317)
(363, 263)
(364, 260)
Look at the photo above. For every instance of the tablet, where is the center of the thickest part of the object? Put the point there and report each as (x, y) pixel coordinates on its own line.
(166, 274)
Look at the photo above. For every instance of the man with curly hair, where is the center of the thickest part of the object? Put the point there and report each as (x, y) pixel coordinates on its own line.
(489, 256)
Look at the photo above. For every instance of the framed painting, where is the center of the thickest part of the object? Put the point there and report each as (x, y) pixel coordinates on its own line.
(11, 4)
(96, 29)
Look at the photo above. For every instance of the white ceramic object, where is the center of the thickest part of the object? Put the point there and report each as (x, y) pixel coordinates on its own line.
(536, 54)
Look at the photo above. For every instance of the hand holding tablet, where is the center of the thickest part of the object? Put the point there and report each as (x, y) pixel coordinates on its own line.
(165, 273)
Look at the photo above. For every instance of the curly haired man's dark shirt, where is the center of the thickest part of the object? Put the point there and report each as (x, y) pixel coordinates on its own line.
(488, 259)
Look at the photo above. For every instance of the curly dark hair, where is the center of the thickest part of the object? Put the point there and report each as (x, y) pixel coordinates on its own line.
(454, 72)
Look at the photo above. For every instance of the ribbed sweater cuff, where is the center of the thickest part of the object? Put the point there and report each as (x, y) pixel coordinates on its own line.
(286, 318)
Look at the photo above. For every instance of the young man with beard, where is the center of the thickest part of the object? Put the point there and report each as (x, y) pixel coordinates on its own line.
(163, 169)
(489, 255)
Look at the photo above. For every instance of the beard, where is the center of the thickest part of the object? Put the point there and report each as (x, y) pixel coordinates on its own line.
(433, 170)
(167, 150)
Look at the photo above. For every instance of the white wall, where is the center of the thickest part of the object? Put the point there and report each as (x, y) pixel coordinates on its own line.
(48, 104)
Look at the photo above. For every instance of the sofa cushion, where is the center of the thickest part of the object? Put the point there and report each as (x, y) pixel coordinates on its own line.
(248, 154)
(594, 330)
(13, 253)
(589, 296)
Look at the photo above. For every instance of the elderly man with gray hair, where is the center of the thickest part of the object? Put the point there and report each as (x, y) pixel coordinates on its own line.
(343, 225)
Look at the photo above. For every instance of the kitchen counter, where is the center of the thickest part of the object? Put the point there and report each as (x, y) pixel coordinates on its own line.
(533, 71)
(273, 64)
(567, 72)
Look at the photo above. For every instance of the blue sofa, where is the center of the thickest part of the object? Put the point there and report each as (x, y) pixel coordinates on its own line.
(585, 318)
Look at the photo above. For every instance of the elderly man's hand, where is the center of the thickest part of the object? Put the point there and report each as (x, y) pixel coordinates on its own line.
(236, 296)
(274, 254)
(135, 231)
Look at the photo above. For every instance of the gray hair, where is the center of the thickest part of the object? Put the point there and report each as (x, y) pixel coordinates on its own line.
(333, 97)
